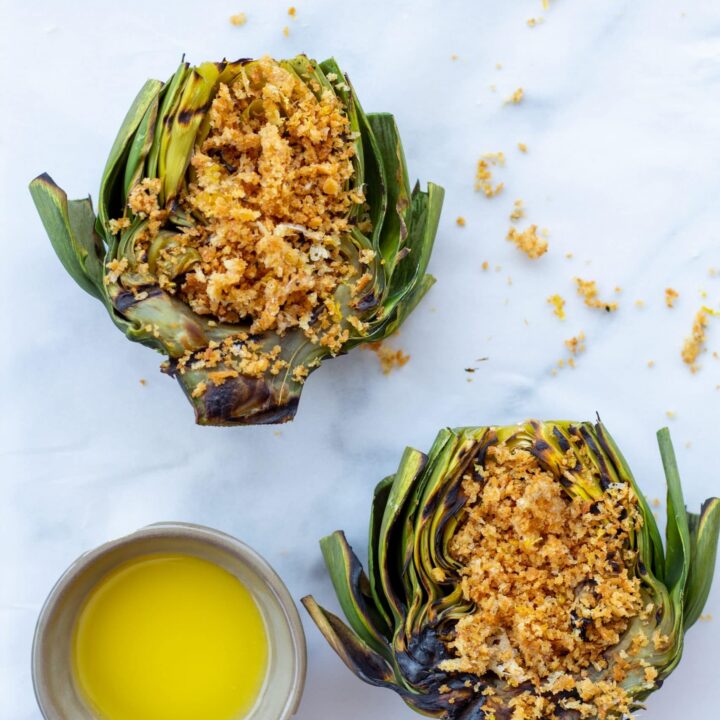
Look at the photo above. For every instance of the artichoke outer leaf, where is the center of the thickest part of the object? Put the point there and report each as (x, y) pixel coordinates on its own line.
(704, 534)
(352, 588)
(70, 227)
(380, 499)
(362, 660)
(677, 561)
(109, 204)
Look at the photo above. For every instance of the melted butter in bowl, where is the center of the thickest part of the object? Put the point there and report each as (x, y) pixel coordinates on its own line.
(170, 637)
(172, 622)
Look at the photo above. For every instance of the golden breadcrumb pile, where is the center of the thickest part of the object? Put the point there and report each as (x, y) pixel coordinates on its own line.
(483, 174)
(694, 345)
(558, 304)
(532, 244)
(390, 358)
(548, 575)
(588, 291)
(671, 296)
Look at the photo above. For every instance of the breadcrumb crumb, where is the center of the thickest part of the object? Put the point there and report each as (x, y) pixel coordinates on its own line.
(671, 296)
(239, 19)
(588, 291)
(390, 358)
(522, 147)
(528, 241)
(694, 345)
(534, 22)
(292, 12)
(483, 174)
(460, 221)
(558, 304)
(576, 344)
(486, 265)
(518, 211)
(516, 98)
(286, 31)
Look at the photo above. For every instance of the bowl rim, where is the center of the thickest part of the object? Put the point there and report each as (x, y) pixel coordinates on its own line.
(255, 562)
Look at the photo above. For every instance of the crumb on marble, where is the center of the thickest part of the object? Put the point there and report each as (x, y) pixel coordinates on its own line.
(286, 31)
(528, 241)
(483, 174)
(588, 291)
(390, 358)
(518, 211)
(238, 19)
(694, 345)
(671, 295)
(460, 221)
(516, 98)
(576, 344)
(486, 265)
(558, 304)
(292, 12)
(522, 147)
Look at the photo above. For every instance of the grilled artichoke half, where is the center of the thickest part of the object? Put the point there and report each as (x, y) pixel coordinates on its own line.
(518, 572)
(252, 221)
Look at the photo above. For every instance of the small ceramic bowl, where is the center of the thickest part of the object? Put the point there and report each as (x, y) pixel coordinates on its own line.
(55, 687)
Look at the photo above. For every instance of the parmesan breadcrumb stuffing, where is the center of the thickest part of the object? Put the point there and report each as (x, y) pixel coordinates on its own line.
(548, 575)
(390, 358)
(483, 174)
(671, 296)
(272, 181)
(533, 245)
(694, 345)
(588, 291)
(558, 304)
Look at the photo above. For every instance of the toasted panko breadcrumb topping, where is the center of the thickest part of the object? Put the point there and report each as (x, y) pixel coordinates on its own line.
(548, 575)
(272, 182)
(671, 296)
(532, 244)
(558, 304)
(588, 291)
(390, 358)
(694, 345)
(483, 174)
(239, 19)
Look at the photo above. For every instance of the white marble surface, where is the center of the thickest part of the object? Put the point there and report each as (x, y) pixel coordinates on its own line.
(622, 121)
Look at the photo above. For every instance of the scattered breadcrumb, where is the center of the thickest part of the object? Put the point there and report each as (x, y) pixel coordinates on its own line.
(618, 290)
(656, 502)
(558, 304)
(694, 345)
(707, 617)
(528, 241)
(277, 433)
(454, 57)
(460, 221)
(286, 31)
(390, 358)
(569, 256)
(239, 19)
(670, 414)
(498, 66)
(522, 147)
(143, 381)
(486, 265)
(483, 174)
(516, 98)
(546, 4)
(671, 296)
(534, 22)
(639, 304)
(292, 12)
(576, 344)
(518, 211)
(651, 363)
(587, 290)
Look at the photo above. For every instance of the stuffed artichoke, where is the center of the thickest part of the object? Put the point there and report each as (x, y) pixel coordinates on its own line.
(252, 221)
(518, 572)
